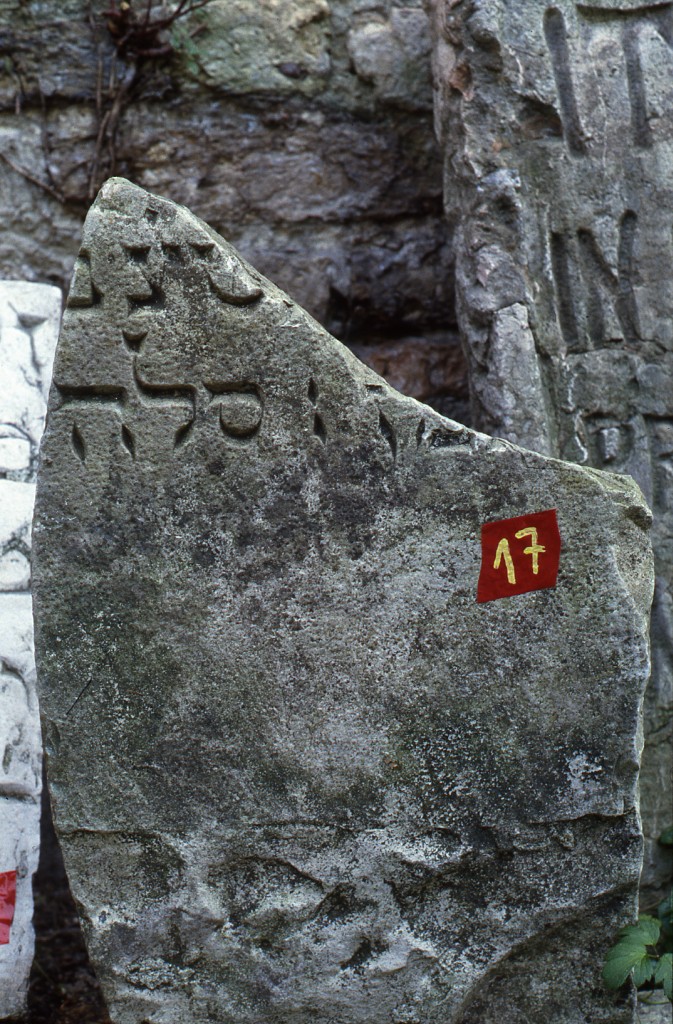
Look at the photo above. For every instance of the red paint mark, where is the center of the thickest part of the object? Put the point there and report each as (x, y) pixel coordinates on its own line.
(518, 555)
(7, 903)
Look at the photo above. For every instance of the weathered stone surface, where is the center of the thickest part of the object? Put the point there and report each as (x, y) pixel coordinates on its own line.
(329, 203)
(557, 124)
(656, 1011)
(298, 772)
(283, 48)
(393, 52)
(29, 318)
(29, 321)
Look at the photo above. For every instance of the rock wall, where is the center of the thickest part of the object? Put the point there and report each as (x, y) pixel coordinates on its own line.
(300, 129)
(29, 322)
(557, 128)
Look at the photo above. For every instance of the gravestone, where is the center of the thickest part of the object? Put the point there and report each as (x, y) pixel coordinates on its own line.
(29, 320)
(341, 699)
(556, 121)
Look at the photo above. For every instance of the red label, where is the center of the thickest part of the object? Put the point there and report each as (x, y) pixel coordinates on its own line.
(7, 903)
(518, 555)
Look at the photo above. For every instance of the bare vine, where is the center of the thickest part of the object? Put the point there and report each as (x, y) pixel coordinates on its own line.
(144, 35)
(139, 37)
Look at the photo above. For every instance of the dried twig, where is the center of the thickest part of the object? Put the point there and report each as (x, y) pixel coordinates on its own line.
(107, 128)
(140, 39)
(51, 190)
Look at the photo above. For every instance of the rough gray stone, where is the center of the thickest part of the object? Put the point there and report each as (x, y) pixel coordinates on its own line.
(656, 1010)
(557, 125)
(393, 53)
(29, 322)
(299, 774)
(281, 46)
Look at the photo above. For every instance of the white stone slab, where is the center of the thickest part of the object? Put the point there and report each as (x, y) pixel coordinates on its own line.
(29, 322)
(16, 510)
(20, 747)
(20, 777)
(14, 454)
(19, 851)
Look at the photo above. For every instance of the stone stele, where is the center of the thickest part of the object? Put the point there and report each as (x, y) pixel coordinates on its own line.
(299, 773)
(29, 321)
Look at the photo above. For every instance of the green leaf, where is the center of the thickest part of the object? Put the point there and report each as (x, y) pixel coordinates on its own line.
(646, 932)
(644, 970)
(630, 954)
(666, 837)
(621, 960)
(664, 974)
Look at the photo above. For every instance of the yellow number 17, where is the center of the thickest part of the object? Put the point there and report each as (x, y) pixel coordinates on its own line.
(503, 553)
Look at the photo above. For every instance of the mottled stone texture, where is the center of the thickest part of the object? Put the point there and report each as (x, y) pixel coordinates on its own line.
(29, 322)
(298, 772)
(557, 127)
(302, 130)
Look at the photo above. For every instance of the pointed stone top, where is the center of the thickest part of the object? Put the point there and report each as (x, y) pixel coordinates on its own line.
(314, 659)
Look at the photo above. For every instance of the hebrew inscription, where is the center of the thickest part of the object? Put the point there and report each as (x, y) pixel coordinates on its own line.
(146, 258)
(557, 41)
(559, 179)
(294, 749)
(630, 40)
(238, 406)
(598, 306)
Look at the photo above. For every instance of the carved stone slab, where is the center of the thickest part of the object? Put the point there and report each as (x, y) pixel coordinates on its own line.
(300, 774)
(29, 321)
(557, 124)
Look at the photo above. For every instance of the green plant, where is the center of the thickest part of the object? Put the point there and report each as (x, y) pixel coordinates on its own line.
(644, 951)
(637, 954)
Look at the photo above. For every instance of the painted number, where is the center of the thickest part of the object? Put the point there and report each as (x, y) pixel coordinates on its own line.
(510, 565)
(7, 903)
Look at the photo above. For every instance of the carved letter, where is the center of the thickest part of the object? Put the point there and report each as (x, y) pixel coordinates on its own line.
(605, 291)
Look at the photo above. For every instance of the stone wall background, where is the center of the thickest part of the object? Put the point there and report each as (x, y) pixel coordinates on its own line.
(300, 129)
